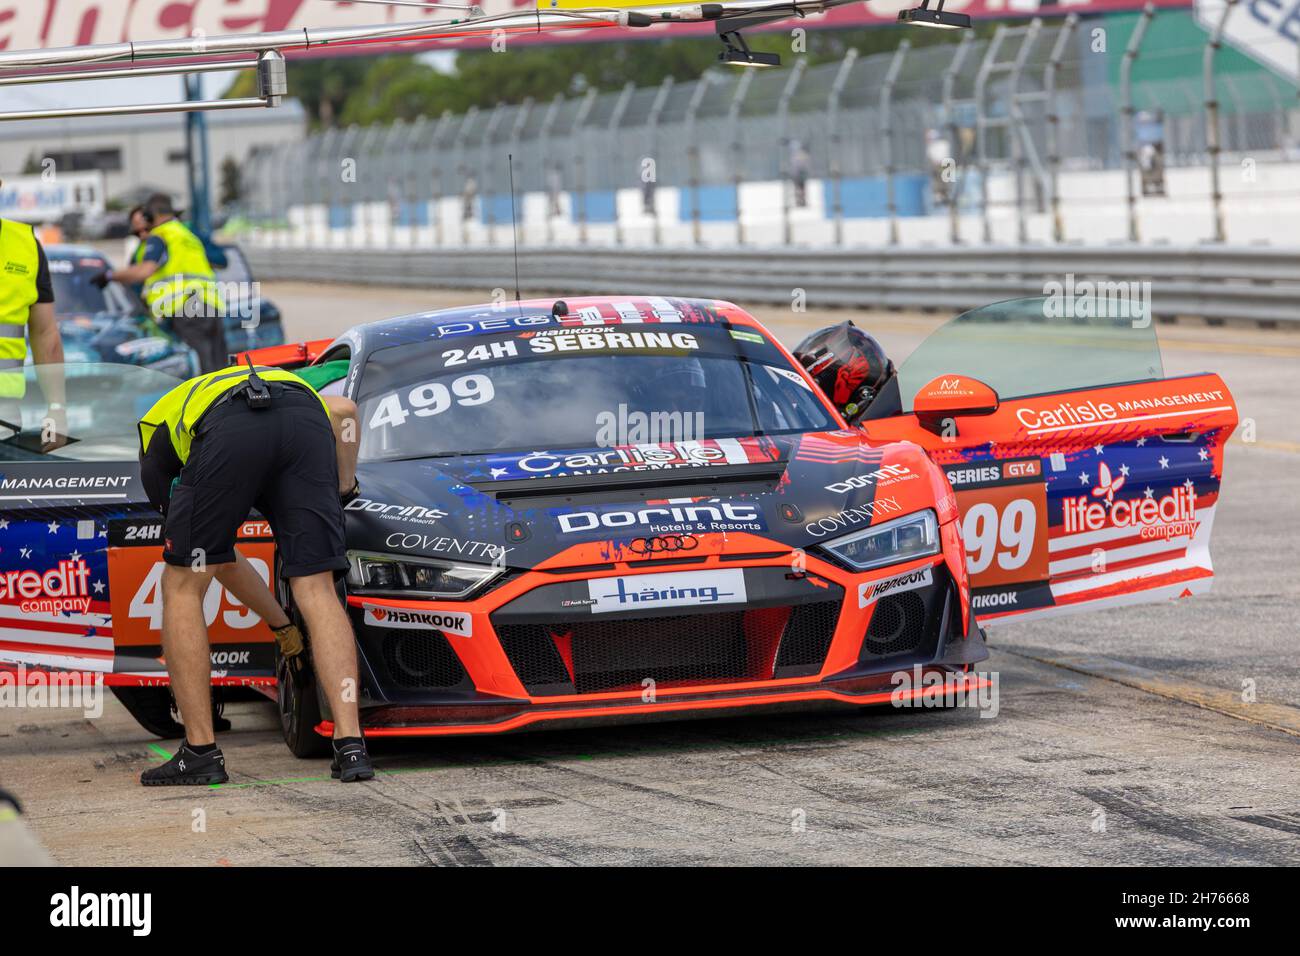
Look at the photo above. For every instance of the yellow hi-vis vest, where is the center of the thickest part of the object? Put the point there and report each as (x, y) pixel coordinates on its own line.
(186, 273)
(19, 264)
(178, 412)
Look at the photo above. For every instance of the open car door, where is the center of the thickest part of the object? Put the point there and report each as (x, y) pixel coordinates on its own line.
(1084, 477)
(81, 548)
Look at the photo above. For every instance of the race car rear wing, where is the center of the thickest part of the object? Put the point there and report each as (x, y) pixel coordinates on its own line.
(289, 357)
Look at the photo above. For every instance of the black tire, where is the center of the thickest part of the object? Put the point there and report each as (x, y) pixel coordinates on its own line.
(297, 702)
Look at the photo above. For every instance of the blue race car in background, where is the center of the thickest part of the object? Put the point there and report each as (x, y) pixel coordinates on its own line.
(113, 325)
(109, 324)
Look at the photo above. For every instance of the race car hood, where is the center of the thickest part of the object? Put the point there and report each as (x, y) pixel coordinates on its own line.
(580, 505)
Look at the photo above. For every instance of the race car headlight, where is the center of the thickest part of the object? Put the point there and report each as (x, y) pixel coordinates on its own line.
(416, 577)
(903, 539)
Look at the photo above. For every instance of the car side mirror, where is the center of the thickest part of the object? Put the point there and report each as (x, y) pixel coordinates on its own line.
(952, 396)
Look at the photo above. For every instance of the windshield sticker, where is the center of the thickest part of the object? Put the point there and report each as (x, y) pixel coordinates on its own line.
(719, 451)
(430, 399)
(748, 337)
(608, 340)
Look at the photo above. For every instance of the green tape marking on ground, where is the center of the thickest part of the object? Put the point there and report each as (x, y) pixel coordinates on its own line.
(160, 752)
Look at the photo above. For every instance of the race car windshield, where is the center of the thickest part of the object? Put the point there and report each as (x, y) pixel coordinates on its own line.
(575, 401)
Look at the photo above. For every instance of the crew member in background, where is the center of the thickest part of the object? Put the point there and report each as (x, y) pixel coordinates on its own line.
(27, 312)
(139, 225)
(180, 286)
(211, 449)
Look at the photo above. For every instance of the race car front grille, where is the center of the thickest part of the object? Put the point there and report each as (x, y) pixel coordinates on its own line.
(421, 659)
(592, 655)
(898, 626)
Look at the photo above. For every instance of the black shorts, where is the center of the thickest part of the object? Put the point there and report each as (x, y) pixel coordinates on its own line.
(280, 460)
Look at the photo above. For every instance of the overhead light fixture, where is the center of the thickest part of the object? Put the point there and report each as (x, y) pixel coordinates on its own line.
(938, 18)
(737, 52)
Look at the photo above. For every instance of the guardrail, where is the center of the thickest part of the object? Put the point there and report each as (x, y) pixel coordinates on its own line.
(1260, 284)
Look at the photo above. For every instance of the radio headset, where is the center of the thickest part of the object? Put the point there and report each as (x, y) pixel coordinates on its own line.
(258, 393)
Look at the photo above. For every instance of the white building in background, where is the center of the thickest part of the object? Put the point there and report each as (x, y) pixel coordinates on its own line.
(147, 150)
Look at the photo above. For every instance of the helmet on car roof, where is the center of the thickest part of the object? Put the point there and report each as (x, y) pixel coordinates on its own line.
(848, 364)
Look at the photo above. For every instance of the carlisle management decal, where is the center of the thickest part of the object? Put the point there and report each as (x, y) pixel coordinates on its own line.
(449, 622)
(872, 591)
(674, 589)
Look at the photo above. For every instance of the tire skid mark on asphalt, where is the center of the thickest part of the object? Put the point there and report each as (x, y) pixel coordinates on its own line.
(1286, 822)
(1279, 717)
(1208, 833)
(924, 843)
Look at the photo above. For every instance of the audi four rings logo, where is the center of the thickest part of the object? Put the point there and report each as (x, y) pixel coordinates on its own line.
(663, 543)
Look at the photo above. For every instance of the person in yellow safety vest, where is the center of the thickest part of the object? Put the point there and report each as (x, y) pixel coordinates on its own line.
(211, 449)
(180, 286)
(27, 313)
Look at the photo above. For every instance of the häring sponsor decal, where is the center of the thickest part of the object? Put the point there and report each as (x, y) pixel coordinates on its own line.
(869, 592)
(449, 622)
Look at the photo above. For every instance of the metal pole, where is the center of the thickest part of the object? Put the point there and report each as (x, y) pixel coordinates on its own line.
(410, 166)
(580, 163)
(1052, 129)
(435, 200)
(981, 127)
(1212, 139)
(693, 154)
(516, 133)
(887, 135)
(1127, 112)
(615, 118)
(459, 146)
(196, 149)
(737, 153)
(783, 119)
(367, 150)
(652, 124)
(1016, 124)
(544, 148)
(835, 168)
(954, 143)
(486, 156)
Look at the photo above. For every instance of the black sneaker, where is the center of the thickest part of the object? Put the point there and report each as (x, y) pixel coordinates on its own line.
(351, 762)
(187, 768)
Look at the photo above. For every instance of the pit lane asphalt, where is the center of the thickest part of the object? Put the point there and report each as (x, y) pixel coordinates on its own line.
(1068, 752)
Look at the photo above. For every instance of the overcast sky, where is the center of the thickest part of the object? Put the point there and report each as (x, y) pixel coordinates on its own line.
(144, 89)
(148, 89)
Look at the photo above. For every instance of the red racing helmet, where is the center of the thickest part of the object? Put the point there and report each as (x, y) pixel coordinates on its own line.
(848, 364)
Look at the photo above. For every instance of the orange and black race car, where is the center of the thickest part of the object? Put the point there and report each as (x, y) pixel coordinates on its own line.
(615, 508)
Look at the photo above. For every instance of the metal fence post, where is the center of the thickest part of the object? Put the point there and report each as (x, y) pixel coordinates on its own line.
(544, 150)
(981, 126)
(1015, 128)
(693, 153)
(580, 163)
(487, 166)
(834, 168)
(652, 125)
(733, 126)
(615, 118)
(435, 201)
(458, 144)
(954, 140)
(783, 119)
(887, 135)
(1212, 137)
(518, 218)
(1127, 112)
(1052, 129)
